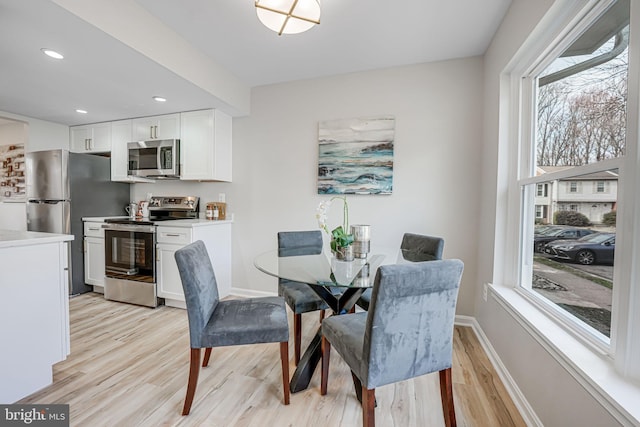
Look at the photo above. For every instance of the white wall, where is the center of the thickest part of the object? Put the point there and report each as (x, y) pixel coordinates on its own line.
(554, 394)
(436, 170)
(42, 135)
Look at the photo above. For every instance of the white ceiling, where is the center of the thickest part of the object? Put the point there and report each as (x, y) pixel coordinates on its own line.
(113, 81)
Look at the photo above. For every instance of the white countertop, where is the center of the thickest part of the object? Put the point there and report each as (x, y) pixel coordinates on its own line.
(12, 238)
(196, 222)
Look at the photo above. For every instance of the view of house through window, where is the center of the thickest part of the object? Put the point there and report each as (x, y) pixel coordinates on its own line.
(581, 119)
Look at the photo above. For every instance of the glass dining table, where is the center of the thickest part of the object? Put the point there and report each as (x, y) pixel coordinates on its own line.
(339, 283)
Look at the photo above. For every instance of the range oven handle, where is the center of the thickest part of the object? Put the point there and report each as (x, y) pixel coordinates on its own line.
(141, 228)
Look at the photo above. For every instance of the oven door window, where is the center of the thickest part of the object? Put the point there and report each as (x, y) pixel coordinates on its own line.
(130, 255)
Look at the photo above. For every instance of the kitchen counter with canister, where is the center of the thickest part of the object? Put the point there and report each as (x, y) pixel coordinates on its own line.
(34, 319)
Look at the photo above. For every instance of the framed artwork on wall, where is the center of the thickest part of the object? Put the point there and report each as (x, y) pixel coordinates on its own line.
(356, 155)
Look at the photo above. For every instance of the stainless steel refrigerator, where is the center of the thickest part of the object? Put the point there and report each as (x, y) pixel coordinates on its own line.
(64, 187)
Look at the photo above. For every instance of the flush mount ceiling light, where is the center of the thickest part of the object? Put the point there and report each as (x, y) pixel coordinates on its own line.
(81, 111)
(288, 16)
(52, 53)
(159, 99)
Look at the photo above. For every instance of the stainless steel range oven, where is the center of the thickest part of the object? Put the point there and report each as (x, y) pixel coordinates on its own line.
(130, 250)
(130, 263)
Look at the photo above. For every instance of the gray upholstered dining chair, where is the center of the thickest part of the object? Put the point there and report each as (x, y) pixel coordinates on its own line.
(415, 247)
(299, 296)
(215, 323)
(407, 332)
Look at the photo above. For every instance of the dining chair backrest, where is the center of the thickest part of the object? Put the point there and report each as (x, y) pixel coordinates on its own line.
(409, 329)
(429, 245)
(200, 287)
(292, 243)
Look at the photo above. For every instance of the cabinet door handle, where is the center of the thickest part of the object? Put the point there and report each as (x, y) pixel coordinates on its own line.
(86, 144)
(172, 235)
(151, 132)
(155, 131)
(90, 143)
(94, 229)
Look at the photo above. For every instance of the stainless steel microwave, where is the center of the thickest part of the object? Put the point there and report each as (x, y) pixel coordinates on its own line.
(155, 159)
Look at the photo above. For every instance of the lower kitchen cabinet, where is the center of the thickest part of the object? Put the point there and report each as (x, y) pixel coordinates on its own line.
(34, 319)
(216, 236)
(94, 255)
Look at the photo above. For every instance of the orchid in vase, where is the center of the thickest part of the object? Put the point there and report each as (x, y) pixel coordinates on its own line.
(340, 239)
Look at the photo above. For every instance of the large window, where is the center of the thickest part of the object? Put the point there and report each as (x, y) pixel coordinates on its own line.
(577, 139)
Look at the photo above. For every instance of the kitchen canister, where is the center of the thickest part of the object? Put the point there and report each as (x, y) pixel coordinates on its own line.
(216, 211)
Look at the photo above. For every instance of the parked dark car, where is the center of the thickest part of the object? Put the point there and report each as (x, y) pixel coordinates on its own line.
(549, 229)
(559, 233)
(546, 228)
(596, 247)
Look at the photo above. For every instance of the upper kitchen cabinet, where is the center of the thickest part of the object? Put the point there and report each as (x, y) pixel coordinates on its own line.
(205, 146)
(156, 127)
(94, 138)
(121, 135)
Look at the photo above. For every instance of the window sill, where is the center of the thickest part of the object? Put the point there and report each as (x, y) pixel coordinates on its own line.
(592, 369)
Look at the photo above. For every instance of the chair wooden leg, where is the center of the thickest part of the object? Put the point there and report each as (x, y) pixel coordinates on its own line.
(297, 336)
(194, 369)
(368, 407)
(324, 379)
(321, 315)
(284, 358)
(446, 394)
(207, 355)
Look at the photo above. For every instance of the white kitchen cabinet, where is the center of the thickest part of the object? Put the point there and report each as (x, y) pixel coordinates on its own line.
(170, 239)
(34, 319)
(156, 127)
(205, 146)
(121, 135)
(94, 138)
(94, 255)
(216, 236)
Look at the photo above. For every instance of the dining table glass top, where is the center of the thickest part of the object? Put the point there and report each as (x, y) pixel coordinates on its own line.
(324, 269)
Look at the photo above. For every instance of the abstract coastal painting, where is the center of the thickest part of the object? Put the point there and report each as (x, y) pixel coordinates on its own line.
(356, 155)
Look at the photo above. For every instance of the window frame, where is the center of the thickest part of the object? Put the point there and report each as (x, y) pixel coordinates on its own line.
(573, 187)
(517, 154)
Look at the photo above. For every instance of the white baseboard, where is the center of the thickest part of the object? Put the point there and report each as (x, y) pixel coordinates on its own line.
(526, 411)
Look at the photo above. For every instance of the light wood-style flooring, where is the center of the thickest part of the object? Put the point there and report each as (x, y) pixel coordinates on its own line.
(129, 366)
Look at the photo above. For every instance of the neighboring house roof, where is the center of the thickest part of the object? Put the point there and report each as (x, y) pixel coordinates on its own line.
(596, 176)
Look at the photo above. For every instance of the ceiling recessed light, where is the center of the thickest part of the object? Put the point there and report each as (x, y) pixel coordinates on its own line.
(81, 111)
(51, 53)
(159, 98)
